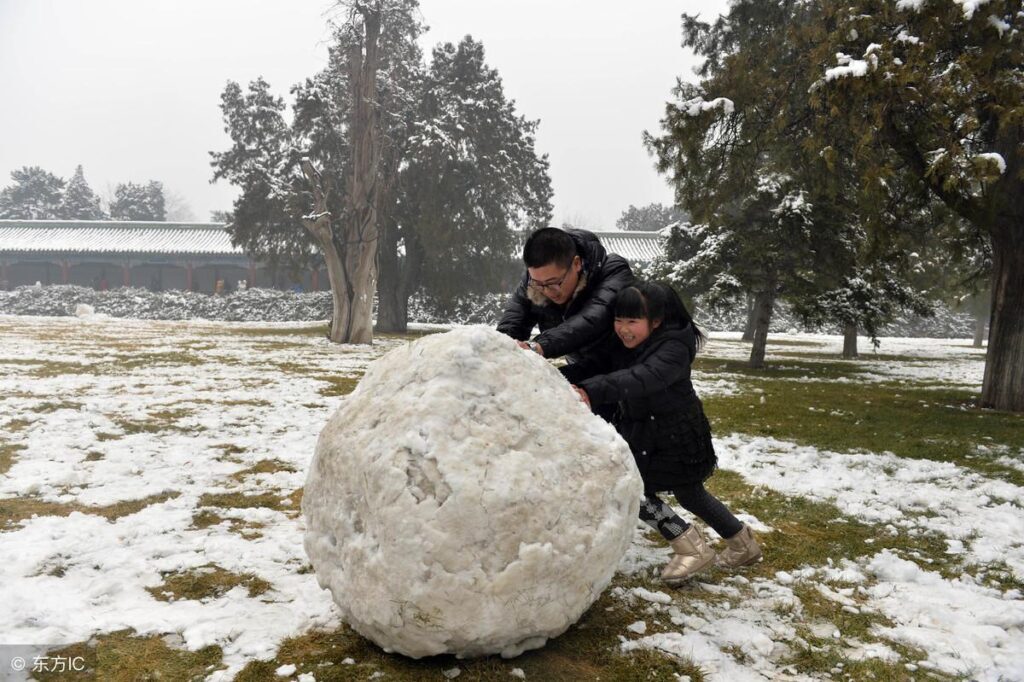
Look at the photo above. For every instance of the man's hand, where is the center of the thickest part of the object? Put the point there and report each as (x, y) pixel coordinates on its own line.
(582, 394)
(531, 345)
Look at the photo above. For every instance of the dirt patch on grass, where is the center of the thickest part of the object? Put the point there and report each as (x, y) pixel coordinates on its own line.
(338, 386)
(125, 657)
(207, 518)
(205, 582)
(17, 509)
(289, 504)
(8, 453)
(264, 466)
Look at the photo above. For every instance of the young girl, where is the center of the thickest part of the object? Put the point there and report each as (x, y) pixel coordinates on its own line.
(646, 371)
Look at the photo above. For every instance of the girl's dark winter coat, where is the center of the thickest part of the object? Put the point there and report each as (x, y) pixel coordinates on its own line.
(658, 414)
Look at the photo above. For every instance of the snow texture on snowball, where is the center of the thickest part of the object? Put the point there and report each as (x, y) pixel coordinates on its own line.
(463, 500)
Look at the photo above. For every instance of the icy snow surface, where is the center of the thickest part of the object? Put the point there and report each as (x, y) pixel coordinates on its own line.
(450, 510)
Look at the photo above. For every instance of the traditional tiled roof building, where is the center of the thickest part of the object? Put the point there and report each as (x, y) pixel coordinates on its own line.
(160, 255)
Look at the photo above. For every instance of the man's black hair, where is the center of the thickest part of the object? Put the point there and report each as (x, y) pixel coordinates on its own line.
(549, 245)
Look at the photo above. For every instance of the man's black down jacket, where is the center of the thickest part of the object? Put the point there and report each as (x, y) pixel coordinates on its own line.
(584, 320)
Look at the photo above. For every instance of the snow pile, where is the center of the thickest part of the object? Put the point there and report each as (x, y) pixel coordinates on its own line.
(271, 305)
(966, 629)
(250, 305)
(450, 510)
(757, 621)
(982, 517)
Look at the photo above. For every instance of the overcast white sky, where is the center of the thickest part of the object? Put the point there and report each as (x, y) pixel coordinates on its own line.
(131, 89)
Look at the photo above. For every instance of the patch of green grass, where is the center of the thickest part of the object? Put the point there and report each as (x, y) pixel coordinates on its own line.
(823, 654)
(16, 509)
(18, 425)
(807, 532)
(338, 386)
(125, 657)
(94, 456)
(207, 518)
(55, 368)
(269, 346)
(264, 466)
(8, 453)
(786, 369)
(312, 329)
(139, 359)
(937, 424)
(205, 582)
(251, 402)
(869, 356)
(589, 650)
(289, 504)
(998, 575)
(49, 407)
(230, 450)
(156, 422)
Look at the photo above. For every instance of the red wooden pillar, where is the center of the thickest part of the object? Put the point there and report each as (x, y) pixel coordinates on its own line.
(188, 277)
(316, 280)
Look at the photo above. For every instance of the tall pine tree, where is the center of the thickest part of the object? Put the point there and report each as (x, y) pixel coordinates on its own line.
(34, 195)
(138, 202)
(458, 172)
(79, 202)
(933, 90)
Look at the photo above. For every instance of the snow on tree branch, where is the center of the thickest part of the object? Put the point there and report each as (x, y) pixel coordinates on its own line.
(698, 105)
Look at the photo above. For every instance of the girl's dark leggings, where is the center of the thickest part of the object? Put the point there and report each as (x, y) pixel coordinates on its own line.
(694, 499)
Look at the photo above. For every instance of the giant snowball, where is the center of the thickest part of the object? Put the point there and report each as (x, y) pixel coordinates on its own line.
(463, 500)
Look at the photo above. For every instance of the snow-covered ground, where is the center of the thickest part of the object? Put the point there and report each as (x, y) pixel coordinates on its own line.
(107, 411)
(948, 362)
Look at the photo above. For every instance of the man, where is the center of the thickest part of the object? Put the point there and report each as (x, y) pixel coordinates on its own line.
(568, 291)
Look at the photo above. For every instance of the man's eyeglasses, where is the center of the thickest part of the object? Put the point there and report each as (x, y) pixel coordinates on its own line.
(552, 286)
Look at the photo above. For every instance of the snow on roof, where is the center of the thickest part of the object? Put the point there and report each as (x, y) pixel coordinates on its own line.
(636, 247)
(115, 236)
(118, 236)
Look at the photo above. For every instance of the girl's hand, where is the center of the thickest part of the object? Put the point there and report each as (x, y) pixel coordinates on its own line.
(582, 394)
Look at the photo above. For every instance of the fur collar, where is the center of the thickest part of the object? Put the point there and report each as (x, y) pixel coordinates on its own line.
(539, 299)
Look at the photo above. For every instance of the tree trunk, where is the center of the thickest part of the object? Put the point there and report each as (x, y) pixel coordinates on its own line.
(979, 330)
(319, 225)
(392, 288)
(358, 241)
(850, 340)
(763, 307)
(392, 297)
(1003, 386)
(748, 331)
